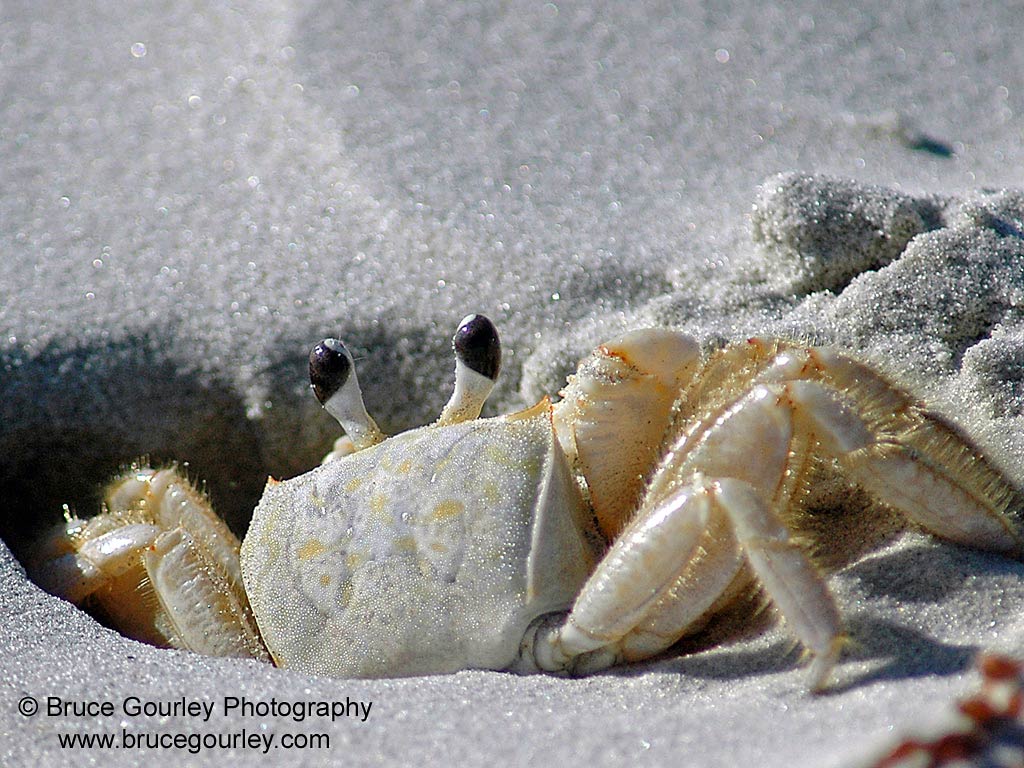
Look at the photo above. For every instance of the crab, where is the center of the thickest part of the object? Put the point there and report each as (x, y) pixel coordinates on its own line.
(660, 490)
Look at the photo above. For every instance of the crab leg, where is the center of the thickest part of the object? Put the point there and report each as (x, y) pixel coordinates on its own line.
(76, 575)
(612, 606)
(643, 572)
(795, 586)
(636, 572)
(911, 458)
(933, 498)
(207, 613)
(658, 554)
(714, 576)
(174, 502)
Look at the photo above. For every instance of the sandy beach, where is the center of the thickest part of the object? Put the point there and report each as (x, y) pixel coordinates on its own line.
(192, 197)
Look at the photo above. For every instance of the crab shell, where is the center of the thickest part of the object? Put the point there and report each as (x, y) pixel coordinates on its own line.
(430, 552)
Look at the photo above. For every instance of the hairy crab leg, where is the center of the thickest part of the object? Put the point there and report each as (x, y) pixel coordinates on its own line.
(76, 575)
(477, 363)
(158, 563)
(657, 548)
(174, 502)
(913, 459)
(80, 556)
(206, 613)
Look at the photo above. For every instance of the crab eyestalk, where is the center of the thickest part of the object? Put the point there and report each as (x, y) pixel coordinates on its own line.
(477, 363)
(332, 376)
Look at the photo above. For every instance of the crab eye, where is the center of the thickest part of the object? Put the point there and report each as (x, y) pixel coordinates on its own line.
(329, 367)
(477, 362)
(477, 347)
(332, 375)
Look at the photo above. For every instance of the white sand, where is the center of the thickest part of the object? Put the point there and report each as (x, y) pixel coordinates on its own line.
(191, 198)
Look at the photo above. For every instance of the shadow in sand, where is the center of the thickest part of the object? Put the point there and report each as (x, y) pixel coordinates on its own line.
(895, 652)
(74, 417)
(897, 575)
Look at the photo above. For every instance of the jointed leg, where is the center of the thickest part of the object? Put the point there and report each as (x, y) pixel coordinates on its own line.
(93, 562)
(652, 558)
(906, 456)
(728, 505)
(636, 584)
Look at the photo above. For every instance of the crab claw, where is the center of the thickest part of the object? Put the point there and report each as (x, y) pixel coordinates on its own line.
(332, 375)
(477, 363)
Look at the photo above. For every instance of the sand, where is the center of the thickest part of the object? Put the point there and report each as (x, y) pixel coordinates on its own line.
(192, 198)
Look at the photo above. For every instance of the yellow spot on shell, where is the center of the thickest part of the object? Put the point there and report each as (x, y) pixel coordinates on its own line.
(497, 455)
(324, 580)
(405, 544)
(405, 466)
(490, 492)
(378, 508)
(353, 484)
(532, 466)
(346, 594)
(311, 549)
(446, 510)
(354, 560)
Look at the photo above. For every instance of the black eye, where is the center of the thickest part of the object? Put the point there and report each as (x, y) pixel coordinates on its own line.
(476, 346)
(329, 367)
